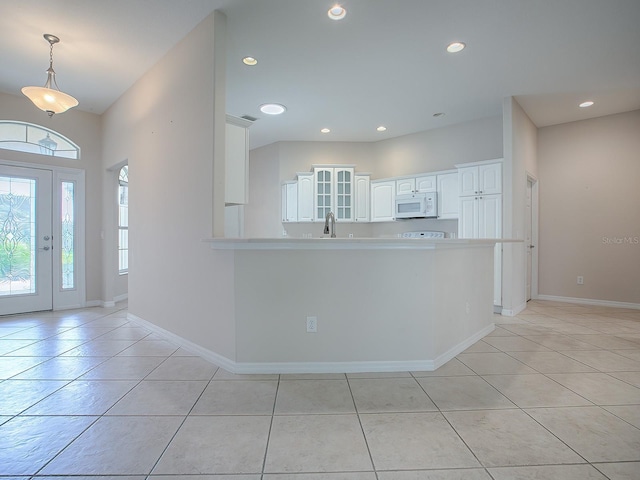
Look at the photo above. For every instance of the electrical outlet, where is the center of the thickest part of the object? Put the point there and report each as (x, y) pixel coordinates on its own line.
(580, 280)
(312, 324)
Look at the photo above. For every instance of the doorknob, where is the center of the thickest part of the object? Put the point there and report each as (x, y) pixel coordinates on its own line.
(532, 246)
(45, 248)
(46, 237)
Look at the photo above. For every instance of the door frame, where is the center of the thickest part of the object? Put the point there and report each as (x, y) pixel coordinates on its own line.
(534, 236)
(76, 297)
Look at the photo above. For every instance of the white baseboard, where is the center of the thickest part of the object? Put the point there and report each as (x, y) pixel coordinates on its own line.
(513, 312)
(312, 367)
(589, 301)
(120, 298)
(93, 303)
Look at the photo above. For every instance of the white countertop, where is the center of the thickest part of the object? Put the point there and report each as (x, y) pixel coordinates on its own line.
(327, 243)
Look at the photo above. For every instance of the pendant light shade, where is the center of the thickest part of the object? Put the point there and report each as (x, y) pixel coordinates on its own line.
(49, 98)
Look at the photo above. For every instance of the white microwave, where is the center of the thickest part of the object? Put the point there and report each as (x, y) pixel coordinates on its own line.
(416, 205)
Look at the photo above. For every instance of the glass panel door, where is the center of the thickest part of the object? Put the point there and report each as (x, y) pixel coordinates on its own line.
(25, 240)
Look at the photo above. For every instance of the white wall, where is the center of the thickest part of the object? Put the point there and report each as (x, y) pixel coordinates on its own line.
(164, 126)
(520, 158)
(84, 129)
(589, 196)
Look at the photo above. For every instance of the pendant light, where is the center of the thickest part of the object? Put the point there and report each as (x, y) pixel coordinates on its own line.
(49, 98)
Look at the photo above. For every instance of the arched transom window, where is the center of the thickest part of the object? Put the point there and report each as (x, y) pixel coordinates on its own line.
(30, 138)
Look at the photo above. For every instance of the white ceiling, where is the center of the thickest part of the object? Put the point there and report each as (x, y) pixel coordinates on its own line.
(384, 64)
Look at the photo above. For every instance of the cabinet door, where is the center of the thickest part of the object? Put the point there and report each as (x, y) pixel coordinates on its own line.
(490, 216)
(468, 181)
(405, 186)
(323, 179)
(383, 196)
(305, 197)
(361, 201)
(290, 202)
(427, 184)
(343, 197)
(468, 221)
(490, 179)
(448, 199)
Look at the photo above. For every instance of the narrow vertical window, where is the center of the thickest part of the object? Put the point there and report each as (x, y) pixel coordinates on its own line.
(123, 220)
(67, 247)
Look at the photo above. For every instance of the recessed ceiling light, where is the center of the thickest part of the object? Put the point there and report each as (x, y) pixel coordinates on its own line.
(455, 47)
(586, 104)
(439, 114)
(273, 108)
(381, 128)
(325, 130)
(249, 61)
(336, 12)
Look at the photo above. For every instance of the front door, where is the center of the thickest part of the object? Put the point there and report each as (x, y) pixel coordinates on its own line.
(26, 245)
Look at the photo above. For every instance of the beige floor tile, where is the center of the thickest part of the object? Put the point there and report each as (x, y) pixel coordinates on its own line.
(632, 354)
(529, 329)
(96, 477)
(314, 396)
(183, 368)
(27, 443)
(453, 474)
(620, 471)
(535, 391)
(594, 433)
(159, 397)
(10, 366)
(509, 438)
(557, 472)
(18, 395)
(389, 395)
(39, 332)
(632, 378)
(8, 346)
(605, 361)
(99, 348)
(379, 375)
(61, 368)
(463, 393)
(452, 368)
(313, 376)
(609, 342)
(316, 443)
(237, 397)
(320, 476)
(629, 413)
(484, 347)
(126, 333)
(414, 441)
(116, 446)
(222, 374)
(151, 348)
(199, 477)
(500, 332)
(493, 364)
(217, 445)
(551, 362)
(559, 342)
(515, 344)
(44, 348)
(574, 329)
(599, 388)
(84, 333)
(93, 397)
(124, 368)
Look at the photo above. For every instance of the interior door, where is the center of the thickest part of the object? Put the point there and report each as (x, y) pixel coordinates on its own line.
(528, 239)
(26, 243)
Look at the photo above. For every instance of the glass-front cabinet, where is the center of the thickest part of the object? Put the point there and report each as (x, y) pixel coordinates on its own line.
(334, 192)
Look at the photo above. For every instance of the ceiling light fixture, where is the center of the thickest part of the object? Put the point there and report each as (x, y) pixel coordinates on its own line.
(336, 12)
(586, 104)
(455, 47)
(249, 61)
(325, 130)
(273, 108)
(49, 98)
(381, 128)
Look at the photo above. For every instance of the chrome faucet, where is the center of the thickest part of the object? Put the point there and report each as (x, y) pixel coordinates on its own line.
(331, 216)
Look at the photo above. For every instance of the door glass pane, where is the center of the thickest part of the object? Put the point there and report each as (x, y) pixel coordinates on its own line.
(17, 236)
(68, 237)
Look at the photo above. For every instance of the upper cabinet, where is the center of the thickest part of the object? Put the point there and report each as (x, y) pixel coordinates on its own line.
(305, 197)
(480, 179)
(236, 190)
(421, 184)
(447, 189)
(361, 202)
(383, 196)
(334, 192)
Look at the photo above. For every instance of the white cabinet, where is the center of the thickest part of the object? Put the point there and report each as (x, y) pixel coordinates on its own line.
(447, 189)
(483, 179)
(422, 184)
(361, 199)
(333, 192)
(383, 195)
(236, 184)
(290, 201)
(305, 197)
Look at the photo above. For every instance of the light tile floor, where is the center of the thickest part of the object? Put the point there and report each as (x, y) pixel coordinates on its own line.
(552, 393)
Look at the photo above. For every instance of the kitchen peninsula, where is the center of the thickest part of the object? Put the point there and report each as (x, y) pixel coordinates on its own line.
(377, 304)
